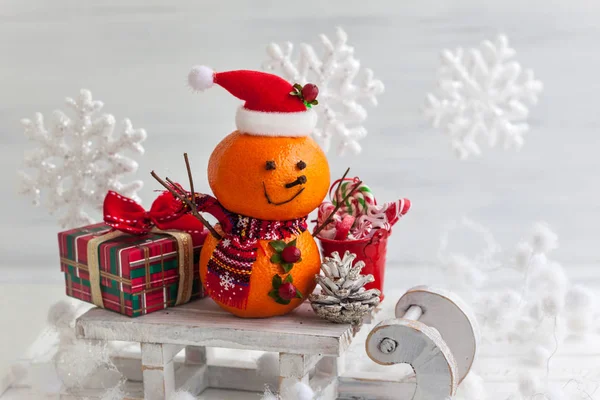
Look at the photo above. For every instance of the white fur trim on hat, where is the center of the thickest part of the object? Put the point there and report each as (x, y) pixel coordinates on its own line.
(261, 123)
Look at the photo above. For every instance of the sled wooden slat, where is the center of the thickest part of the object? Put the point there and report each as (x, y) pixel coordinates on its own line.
(203, 323)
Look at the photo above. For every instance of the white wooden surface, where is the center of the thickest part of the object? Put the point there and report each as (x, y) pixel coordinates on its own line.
(301, 338)
(203, 323)
(134, 54)
(365, 378)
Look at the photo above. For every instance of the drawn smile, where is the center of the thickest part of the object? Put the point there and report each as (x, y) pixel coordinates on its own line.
(279, 203)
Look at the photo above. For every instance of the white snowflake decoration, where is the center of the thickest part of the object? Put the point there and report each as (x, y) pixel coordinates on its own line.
(79, 159)
(482, 92)
(226, 281)
(339, 109)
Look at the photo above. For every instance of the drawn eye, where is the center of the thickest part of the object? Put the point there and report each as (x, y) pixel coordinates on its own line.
(270, 165)
(301, 165)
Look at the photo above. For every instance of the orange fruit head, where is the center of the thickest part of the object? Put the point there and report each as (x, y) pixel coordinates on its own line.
(269, 178)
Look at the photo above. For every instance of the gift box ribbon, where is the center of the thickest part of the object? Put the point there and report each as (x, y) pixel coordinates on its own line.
(166, 217)
(166, 213)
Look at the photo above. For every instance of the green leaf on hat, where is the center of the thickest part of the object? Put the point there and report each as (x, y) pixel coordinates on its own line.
(298, 294)
(287, 267)
(288, 279)
(276, 258)
(292, 243)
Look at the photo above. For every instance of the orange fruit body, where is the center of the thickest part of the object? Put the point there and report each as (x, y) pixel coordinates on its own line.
(259, 304)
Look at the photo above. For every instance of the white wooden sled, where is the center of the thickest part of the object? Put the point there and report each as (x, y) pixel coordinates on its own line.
(310, 350)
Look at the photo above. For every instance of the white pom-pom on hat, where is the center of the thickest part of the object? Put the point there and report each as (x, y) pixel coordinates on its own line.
(201, 77)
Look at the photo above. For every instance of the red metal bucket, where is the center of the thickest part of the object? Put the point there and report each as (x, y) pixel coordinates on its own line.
(370, 250)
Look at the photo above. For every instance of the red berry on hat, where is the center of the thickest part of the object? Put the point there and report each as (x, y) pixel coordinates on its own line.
(310, 92)
(291, 254)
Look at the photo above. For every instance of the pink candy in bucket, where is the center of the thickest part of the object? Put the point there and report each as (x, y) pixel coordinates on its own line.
(353, 221)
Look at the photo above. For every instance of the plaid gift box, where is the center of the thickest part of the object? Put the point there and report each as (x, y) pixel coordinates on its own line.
(133, 275)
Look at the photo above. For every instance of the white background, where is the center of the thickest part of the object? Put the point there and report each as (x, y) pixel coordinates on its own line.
(134, 56)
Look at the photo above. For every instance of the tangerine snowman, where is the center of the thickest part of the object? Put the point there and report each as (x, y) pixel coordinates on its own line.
(266, 176)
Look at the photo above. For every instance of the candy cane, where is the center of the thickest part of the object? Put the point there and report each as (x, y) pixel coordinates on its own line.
(329, 231)
(385, 215)
(358, 203)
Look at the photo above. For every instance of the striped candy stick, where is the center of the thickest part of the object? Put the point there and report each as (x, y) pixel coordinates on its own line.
(396, 210)
(324, 210)
(358, 203)
(386, 215)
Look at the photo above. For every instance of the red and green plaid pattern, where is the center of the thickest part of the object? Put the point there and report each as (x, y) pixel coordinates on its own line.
(139, 274)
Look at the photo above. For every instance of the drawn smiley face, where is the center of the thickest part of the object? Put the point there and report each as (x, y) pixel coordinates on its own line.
(271, 178)
(300, 180)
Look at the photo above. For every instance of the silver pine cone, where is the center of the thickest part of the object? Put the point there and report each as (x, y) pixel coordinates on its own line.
(343, 298)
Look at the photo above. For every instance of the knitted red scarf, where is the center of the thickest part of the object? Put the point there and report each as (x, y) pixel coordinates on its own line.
(230, 265)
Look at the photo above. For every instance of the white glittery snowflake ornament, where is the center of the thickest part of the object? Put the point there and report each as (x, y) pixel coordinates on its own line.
(79, 159)
(341, 113)
(483, 93)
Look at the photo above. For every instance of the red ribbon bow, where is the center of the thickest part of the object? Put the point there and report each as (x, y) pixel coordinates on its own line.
(167, 212)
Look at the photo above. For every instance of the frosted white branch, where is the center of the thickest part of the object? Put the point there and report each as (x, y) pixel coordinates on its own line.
(341, 113)
(482, 92)
(77, 160)
(538, 317)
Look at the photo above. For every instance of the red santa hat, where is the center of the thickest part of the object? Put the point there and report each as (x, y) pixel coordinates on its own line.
(273, 106)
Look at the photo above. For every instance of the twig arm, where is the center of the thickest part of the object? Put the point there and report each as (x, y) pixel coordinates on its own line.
(189, 172)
